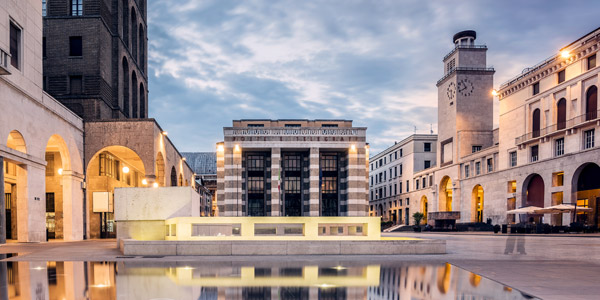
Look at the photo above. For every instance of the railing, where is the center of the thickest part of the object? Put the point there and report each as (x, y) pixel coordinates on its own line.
(528, 71)
(4, 62)
(464, 46)
(486, 69)
(587, 117)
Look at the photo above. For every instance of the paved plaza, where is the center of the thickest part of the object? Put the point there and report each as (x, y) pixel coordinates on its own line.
(550, 267)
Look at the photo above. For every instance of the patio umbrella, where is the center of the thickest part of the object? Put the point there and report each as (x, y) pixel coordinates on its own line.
(561, 208)
(524, 210)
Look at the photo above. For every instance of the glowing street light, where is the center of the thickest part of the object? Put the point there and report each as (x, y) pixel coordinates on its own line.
(144, 181)
(565, 54)
(125, 169)
(494, 92)
(155, 184)
(60, 171)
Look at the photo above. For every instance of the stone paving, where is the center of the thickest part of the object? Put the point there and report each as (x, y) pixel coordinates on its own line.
(547, 266)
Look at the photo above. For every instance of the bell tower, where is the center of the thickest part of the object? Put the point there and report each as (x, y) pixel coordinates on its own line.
(465, 102)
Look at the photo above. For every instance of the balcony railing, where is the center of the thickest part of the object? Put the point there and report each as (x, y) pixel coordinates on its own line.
(4, 62)
(464, 46)
(528, 71)
(451, 71)
(579, 120)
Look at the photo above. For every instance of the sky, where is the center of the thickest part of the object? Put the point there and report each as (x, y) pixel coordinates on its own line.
(373, 62)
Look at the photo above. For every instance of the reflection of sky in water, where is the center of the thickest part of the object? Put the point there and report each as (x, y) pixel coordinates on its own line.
(233, 280)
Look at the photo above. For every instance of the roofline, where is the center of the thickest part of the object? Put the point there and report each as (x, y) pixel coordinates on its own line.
(404, 142)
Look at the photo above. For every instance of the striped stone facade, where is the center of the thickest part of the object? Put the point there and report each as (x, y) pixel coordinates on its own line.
(292, 168)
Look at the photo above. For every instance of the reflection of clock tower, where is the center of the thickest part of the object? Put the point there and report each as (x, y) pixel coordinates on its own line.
(465, 102)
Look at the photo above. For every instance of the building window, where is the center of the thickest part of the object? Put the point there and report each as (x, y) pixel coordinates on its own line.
(558, 179)
(430, 180)
(417, 184)
(15, 46)
(395, 189)
(372, 199)
(427, 147)
(475, 148)
(450, 65)
(255, 163)
(588, 139)
(561, 114)
(400, 152)
(536, 88)
(561, 76)
(400, 187)
(371, 180)
(400, 170)
(407, 184)
(396, 155)
(427, 164)
(329, 125)
(535, 123)
(75, 46)
(490, 165)
(591, 62)
(263, 125)
(75, 85)
(591, 103)
(466, 171)
(407, 202)
(534, 153)
(293, 125)
(477, 168)
(395, 171)
(76, 7)
(513, 158)
(512, 186)
(559, 147)
(44, 8)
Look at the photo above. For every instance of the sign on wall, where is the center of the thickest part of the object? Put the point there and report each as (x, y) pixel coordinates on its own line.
(102, 202)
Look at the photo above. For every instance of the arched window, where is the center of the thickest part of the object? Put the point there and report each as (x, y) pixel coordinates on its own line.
(173, 177)
(591, 107)
(125, 78)
(134, 102)
(561, 114)
(141, 43)
(535, 127)
(134, 43)
(125, 12)
(142, 101)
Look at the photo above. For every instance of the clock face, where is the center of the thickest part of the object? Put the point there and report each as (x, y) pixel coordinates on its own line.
(465, 87)
(451, 91)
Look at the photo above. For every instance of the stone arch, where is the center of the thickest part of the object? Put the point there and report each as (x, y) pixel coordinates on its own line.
(125, 16)
(477, 204)
(160, 169)
(445, 194)
(173, 176)
(141, 46)
(591, 103)
(59, 198)
(142, 101)
(585, 187)
(125, 78)
(533, 194)
(424, 208)
(16, 141)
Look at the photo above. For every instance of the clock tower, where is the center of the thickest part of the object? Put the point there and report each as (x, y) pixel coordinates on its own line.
(465, 102)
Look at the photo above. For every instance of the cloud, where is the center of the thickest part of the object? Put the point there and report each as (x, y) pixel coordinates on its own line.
(375, 62)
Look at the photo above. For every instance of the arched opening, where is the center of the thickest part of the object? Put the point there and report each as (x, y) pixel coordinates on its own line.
(160, 169)
(142, 101)
(110, 168)
(561, 114)
(180, 180)
(173, 176)
(445, 194)
(125, 78)
(134, 39)
(535, 125)
(477, 204)
(141, 46)
(591, 103)
(134, 98)
(533, 195)
(125, 15)
(586, 189)
(58, 195)
(15, 189)
(424, 209)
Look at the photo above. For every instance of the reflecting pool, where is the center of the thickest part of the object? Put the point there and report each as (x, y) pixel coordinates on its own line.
(245, 280)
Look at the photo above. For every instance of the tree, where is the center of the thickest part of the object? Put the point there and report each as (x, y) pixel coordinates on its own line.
(418, 217)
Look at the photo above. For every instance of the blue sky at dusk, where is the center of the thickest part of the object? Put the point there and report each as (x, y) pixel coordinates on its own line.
(374, 62)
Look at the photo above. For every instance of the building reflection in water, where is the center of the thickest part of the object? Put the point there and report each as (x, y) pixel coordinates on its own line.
(229, 280)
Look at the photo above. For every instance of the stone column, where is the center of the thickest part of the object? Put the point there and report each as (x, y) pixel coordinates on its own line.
(237, 181)
(275, 194)
(357, 201)
(220, 192)
(2, 205)
(315, 199)
(72, 206)
(74, 279)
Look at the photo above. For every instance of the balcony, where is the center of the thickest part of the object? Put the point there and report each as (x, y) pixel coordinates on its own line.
(467, 69)
(463, 47)
(4, 62)
(578, 121)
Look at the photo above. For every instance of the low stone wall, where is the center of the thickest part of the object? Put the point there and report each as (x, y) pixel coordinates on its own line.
(241, 248)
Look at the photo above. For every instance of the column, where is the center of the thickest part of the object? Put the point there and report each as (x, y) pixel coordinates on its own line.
(72, 206)
(315, 194)
(2, 205)
(74, 280)
(233, 186)
(31, 198)
(275, 183)
(357, 200)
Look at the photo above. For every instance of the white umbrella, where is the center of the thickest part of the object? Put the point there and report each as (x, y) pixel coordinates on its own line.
(562, 208)
(524, 210)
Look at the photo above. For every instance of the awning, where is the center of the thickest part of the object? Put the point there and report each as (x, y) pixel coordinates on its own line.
(562, 208)
(524, 210)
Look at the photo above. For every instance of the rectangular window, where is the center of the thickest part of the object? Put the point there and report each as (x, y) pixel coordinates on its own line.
(417, 184)
(430, 180)
(396, 155)
(559, 147)
(44, 8)
(384, 192)
(395, 171)
(475, 148)
(329, 125)
(536, 88)
(561, 76)
(395, 189)
(384, 175)
(427, 147)
(400, 152)
(371, 180)
(329, 163)
(75, 84)
(591, 62)
(513, 158)
(534, 153)
(427, 164)
(372, 199)
(15, 46)
(400, 186)
(400, 202)
(407, 183)
(76, 7)
(400, 170)
(256, 125)
(588, 139)
(490, 165)
(558, 178)
(75, 46)
(477, 168)
(292, 125)
(466, 171)
(512, 186)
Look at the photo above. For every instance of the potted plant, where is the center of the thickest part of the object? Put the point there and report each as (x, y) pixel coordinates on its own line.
(417, 217)
(496, 228)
